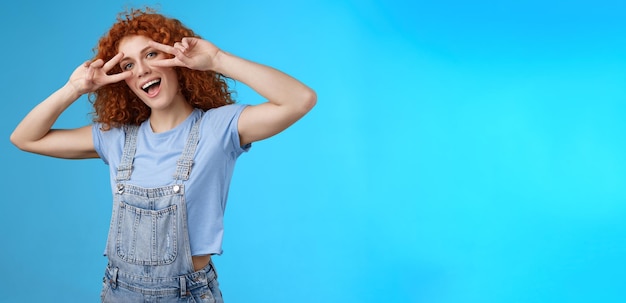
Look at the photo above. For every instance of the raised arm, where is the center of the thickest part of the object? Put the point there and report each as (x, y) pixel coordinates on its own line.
(34, 133)
(287, 98)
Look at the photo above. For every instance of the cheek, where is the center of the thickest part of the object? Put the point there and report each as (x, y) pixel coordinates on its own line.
(129, 83)
(173, 81)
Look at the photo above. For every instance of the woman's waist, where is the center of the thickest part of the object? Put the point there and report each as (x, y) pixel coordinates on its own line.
(151, 276)
(200, 262)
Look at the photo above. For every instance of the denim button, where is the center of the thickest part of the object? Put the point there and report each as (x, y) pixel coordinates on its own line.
(120, 188)
(176, 188)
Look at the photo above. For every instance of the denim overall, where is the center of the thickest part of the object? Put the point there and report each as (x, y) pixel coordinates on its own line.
(148, 243)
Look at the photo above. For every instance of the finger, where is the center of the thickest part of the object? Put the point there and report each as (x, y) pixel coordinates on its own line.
(184, 43)
(162, 47)
(173, 62)
(181, 48)
(89, 74)
(97, 64)
(189, 42)
(91, 70)
(119, 77)
(112, 62)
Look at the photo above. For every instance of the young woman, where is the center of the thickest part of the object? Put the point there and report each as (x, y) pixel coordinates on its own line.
(167, 127)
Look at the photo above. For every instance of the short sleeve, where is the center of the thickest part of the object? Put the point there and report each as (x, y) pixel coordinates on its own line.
(105, 141)
(223, 122)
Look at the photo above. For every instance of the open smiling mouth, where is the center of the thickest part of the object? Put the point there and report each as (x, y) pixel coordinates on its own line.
(152, 87)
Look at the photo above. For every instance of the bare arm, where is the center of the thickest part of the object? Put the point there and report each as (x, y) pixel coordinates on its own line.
(288, 99)
(34, 133)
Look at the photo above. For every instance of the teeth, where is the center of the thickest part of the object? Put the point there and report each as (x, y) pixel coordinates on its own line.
(145, 86)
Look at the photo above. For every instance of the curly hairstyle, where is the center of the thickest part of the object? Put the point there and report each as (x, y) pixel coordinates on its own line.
(115, 104)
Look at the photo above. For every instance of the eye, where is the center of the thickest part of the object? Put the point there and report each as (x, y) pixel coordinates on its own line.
(151, 54)
(127, 66)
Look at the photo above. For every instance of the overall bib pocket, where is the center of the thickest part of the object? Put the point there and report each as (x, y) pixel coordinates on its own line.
(146, 237)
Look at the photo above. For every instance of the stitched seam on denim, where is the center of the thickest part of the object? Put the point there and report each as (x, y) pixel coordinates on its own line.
(125, 167)
(185, 162)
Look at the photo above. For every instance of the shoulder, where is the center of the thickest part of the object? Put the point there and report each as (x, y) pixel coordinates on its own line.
(222, 116)
(99, 131)
(107, 142)
(226, 110)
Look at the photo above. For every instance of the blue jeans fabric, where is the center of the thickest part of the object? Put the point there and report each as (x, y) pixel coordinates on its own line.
(148, 243)
(200, 286)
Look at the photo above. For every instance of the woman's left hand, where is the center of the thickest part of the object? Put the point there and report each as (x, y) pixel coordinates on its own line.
(192, 53)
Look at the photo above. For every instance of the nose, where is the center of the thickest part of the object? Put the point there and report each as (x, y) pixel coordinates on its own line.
(142, 69)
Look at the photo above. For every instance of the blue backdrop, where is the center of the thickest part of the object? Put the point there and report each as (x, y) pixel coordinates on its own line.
(460, 151)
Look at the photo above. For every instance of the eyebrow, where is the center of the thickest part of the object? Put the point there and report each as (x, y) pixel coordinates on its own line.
(141, 52)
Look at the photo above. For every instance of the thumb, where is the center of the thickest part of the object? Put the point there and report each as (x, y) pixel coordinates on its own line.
(189, 42)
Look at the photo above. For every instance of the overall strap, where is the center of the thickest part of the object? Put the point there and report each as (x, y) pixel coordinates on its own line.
(184, 163)
(125, 168)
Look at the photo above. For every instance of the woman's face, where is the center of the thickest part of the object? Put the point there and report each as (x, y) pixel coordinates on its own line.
(156, 86)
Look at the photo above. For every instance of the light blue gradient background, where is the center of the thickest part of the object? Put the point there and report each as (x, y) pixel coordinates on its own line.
(460, 151)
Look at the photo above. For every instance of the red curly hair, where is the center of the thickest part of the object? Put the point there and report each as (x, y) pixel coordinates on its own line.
(115, 104)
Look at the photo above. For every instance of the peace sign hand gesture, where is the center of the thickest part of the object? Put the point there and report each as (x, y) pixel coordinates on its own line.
(90, 76)
(192, 53)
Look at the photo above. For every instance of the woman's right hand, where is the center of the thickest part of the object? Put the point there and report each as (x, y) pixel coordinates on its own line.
(91, 75)
(35, 134)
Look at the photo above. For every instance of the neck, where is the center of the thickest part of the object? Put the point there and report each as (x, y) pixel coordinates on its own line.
(166, 119)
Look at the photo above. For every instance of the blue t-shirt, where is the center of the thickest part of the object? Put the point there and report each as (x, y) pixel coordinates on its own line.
(155, 164)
